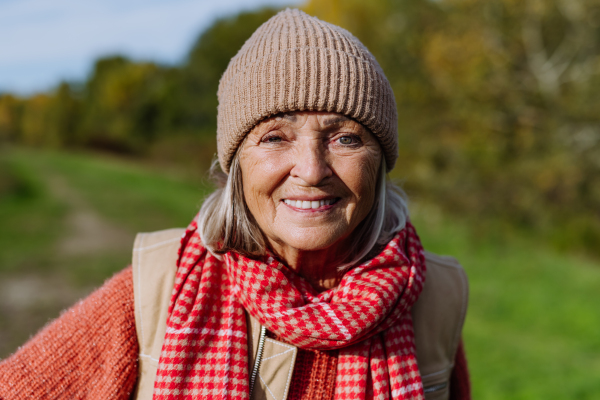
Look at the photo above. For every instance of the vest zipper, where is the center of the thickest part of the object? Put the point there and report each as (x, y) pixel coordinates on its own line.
(259, 354)
(435, 388)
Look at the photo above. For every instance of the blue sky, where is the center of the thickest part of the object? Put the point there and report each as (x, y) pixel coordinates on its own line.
(44, 41)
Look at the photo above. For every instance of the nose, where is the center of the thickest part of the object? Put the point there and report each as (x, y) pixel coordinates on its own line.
(310, 164)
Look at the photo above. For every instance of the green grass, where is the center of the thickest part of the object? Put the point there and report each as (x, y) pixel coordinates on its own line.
(128, 195)
(34, 220)
(533, 326)
(140, 198)
(30, 220)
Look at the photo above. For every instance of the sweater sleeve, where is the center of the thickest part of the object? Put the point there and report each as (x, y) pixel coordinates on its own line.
(89, 352)
(460, 385)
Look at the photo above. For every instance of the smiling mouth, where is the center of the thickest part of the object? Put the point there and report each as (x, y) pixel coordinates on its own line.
(307, 205)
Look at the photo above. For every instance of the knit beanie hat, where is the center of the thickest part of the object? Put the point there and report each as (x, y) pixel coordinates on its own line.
(295, 62)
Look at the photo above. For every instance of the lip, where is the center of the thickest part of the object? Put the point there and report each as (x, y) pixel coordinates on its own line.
(303, 197)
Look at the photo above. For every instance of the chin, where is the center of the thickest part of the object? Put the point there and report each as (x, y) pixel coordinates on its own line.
(312, 239)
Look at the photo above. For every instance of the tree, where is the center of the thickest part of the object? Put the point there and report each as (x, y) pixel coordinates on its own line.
(122, 104)
(207, 61)
(10, 110)
(497, 104)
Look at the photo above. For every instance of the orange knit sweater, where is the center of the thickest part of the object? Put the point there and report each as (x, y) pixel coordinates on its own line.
(91, 350)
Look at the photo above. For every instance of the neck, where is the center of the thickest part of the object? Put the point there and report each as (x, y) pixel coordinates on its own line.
(318, 267)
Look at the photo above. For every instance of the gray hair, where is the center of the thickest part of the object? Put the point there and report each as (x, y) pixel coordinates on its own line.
(226, 224)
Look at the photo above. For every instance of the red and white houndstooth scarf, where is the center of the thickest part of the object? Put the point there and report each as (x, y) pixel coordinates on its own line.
(367, 316)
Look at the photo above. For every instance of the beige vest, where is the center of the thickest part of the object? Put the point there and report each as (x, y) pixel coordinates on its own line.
(438, 317)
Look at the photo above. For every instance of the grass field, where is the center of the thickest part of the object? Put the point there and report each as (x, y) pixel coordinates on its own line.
(67, 222)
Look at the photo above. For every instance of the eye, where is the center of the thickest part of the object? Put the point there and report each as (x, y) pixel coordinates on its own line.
(272, 138)
(348, 140)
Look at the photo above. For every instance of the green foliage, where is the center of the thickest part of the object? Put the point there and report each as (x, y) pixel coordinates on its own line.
(207, 61)
(16, 182)
(10, 116)
(44, 193)
(131, 107)
(497, 104)
(65, 111)
(55, 198)
(124, 193)
(26, 212)
(532, 329)
(123, 103)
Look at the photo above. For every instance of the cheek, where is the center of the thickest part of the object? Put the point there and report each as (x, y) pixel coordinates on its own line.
(260, 176)
(266, 163)
(252, 182)
(361, 177)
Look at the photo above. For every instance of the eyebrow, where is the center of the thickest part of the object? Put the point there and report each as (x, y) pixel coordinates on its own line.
(289, 116)
(336, 120)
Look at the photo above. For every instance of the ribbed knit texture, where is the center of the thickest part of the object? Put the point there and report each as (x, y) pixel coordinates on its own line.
(295, 62)
(314, 375)
(460, 384)
(90, 352)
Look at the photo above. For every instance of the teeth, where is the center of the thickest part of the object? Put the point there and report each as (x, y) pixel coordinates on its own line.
(308, 204)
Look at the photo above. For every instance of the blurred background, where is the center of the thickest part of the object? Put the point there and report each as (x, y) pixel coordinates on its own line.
(107, 128)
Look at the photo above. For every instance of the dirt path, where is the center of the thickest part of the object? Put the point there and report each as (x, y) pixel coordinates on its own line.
(88, 232)
(28, 301)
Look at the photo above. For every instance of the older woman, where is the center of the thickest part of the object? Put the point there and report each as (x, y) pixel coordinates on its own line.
(301, 277)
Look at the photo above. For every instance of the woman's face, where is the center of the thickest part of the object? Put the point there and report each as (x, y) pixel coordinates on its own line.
(309, 178)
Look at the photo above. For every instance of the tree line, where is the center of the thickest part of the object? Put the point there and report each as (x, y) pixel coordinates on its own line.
(498, 104)
(124, 105)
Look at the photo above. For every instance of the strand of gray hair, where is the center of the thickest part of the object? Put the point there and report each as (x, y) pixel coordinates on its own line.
(225, 223)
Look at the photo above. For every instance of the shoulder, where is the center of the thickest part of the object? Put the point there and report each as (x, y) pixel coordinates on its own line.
(146, 241)
(154, 256)
(154, 268)
(446, 290)
(439, 315)
(446, 277)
